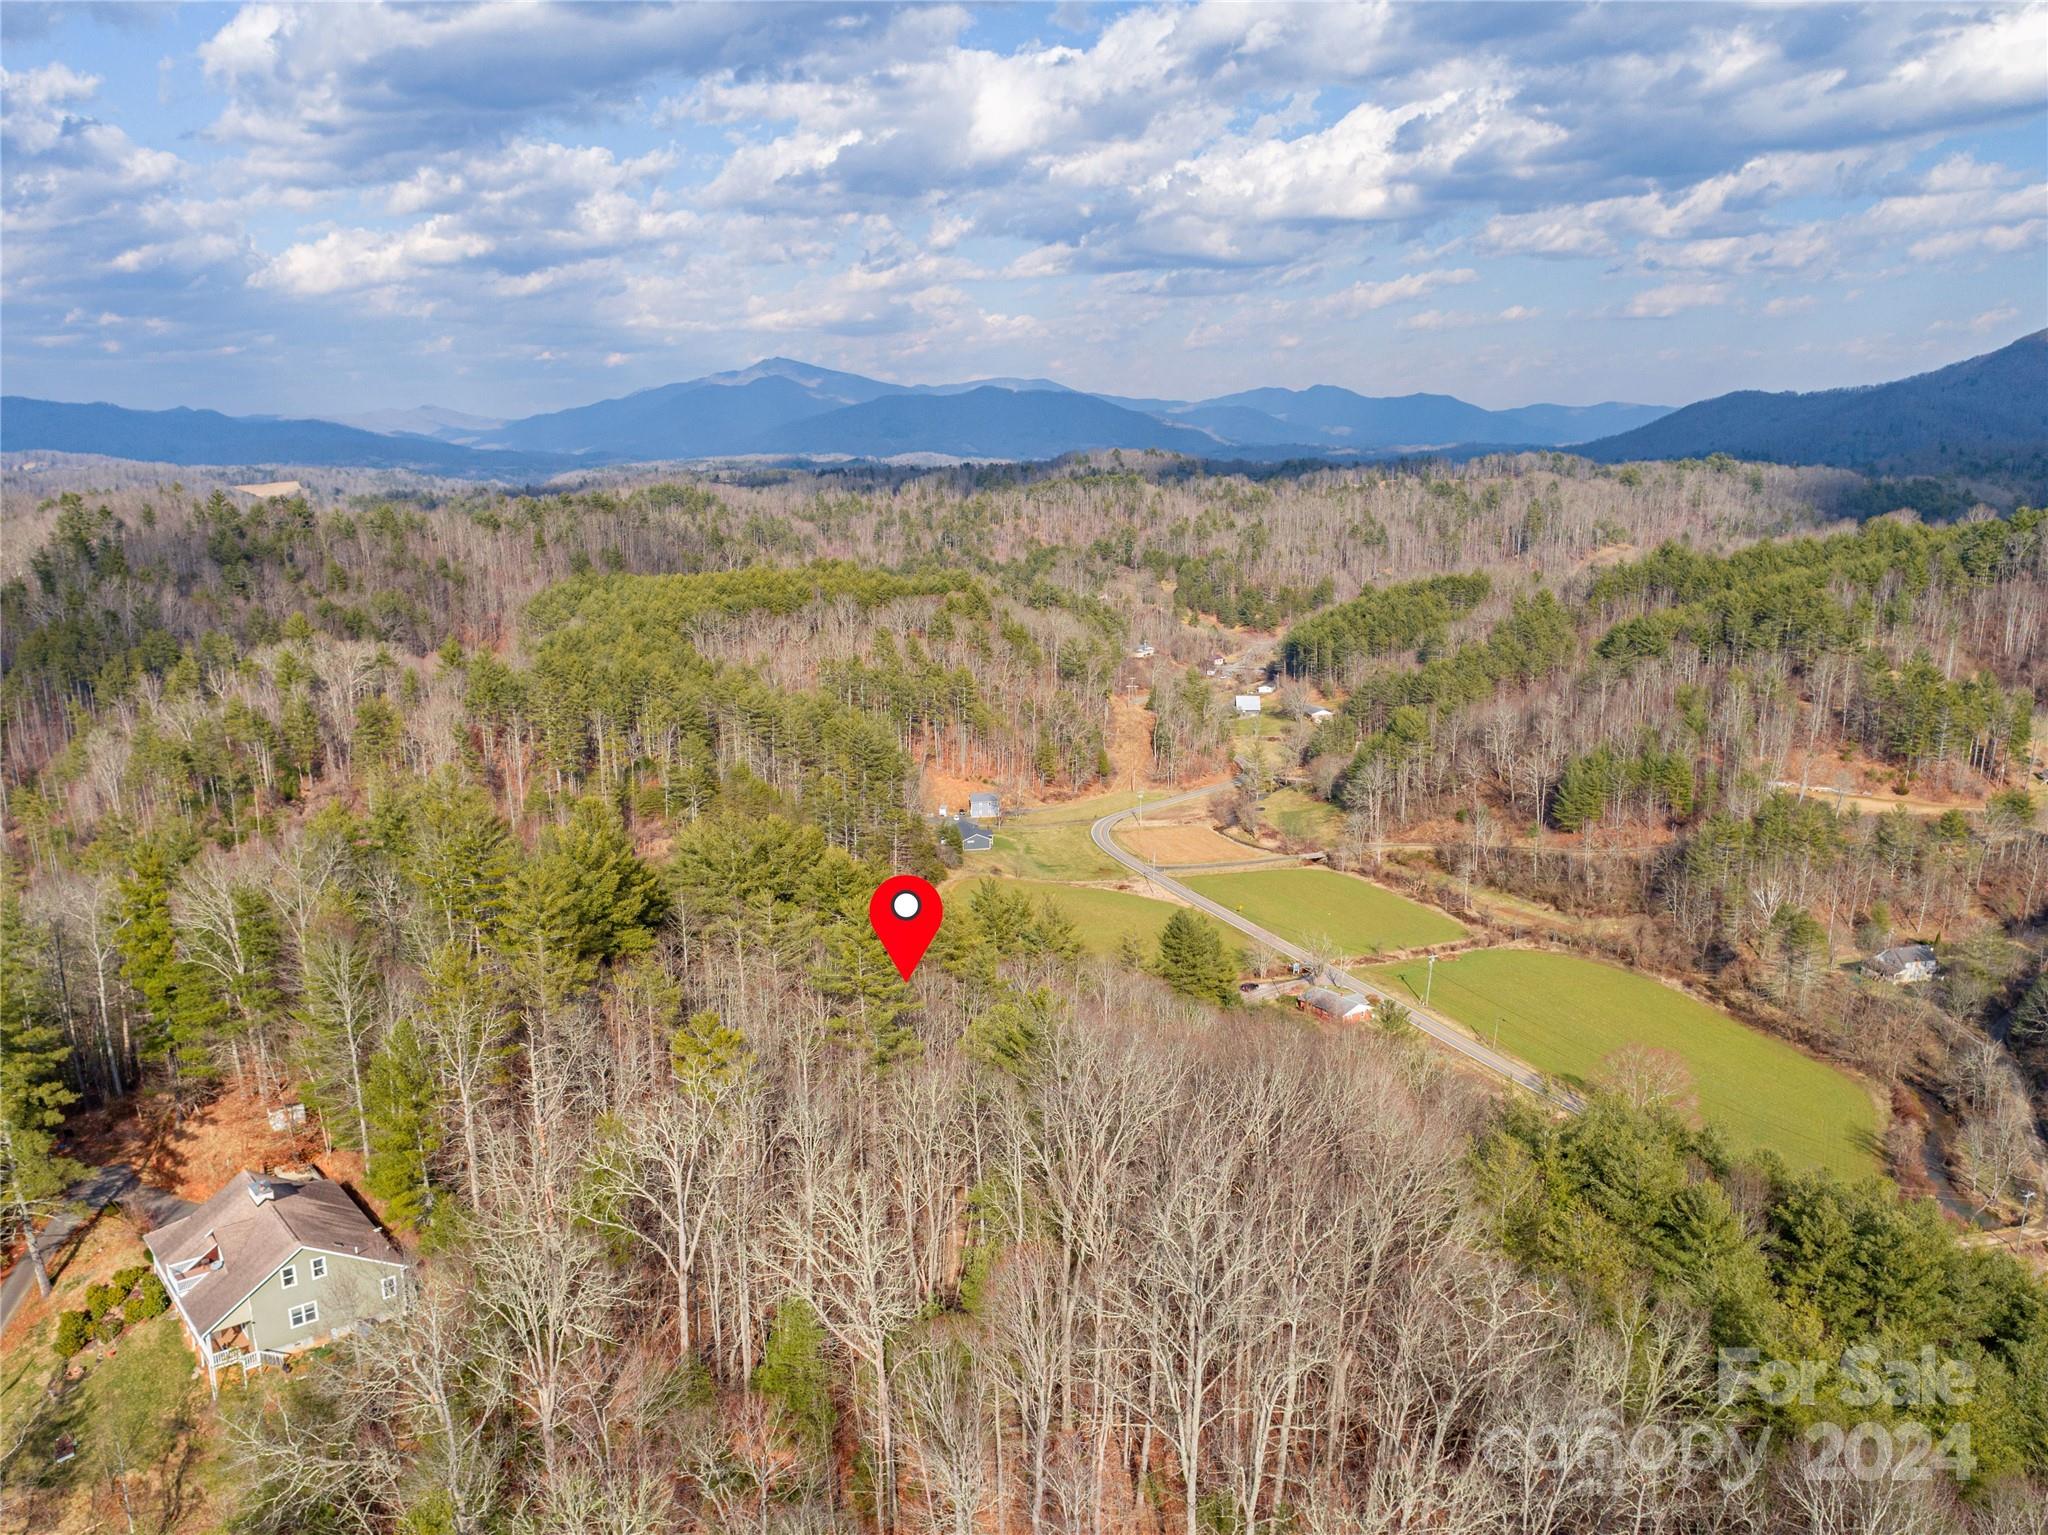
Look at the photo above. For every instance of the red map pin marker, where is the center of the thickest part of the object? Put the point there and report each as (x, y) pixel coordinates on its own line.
(905, 912)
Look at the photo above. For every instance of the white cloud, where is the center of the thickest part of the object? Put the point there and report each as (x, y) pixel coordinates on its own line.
(1987, 323)
(574, 184)
(1668, 299)
(1363, 296)
(344, 259)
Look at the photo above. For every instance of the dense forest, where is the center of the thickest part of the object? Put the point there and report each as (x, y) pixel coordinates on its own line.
(526, 841)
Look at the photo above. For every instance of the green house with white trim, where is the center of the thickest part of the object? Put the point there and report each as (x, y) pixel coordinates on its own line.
(271, 1265)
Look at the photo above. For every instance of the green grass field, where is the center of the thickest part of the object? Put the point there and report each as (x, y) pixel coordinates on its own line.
(1260, 727)
(1300, 814)
(1053, 843)
(1103, 916)
(1326, 911)
(1049, 849)
(1567, 1015)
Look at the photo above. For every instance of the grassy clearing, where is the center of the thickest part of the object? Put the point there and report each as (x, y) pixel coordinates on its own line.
(134, 1405)
(1300, 814)
(1053, 843)
(1105, 917)
(129, 1419)
(1328, 912)
(1049, 850)
(1567, 1015)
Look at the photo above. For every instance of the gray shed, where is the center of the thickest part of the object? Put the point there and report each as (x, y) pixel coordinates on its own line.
(1902, 963)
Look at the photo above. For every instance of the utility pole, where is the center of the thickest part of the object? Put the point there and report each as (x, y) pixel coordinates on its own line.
(1429, 980)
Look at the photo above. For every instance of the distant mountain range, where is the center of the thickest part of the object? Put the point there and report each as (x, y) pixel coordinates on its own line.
(785, 408)
(1988, 411)
(184, 436)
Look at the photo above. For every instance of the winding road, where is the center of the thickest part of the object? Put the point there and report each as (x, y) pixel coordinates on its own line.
(1440, 1029)
(114, 1183)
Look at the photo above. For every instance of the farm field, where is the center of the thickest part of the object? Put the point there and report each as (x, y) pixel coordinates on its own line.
(1052, 842)
(1193, 842)
(1567, 1015)
(1322, 909)
(1260, 727)
(1303, 815)
(1105, 917)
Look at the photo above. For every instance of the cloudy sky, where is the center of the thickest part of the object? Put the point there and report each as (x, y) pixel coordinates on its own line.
(512, 208)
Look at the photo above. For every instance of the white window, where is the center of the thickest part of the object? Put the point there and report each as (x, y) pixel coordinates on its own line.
(306, 1315)
(319, 1268)
(389, 1287)
(290, 1276)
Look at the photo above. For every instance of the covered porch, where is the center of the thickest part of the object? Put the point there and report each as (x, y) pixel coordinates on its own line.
(235, 1346)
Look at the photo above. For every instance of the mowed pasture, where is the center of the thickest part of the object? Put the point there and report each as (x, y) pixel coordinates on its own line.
(1298, 814)
(1327, 912)
(1569, 1016)
(1188, 842)
(1052, 844)
(1105, 917)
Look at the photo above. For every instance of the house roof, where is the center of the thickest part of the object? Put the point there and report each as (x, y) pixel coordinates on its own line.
(255, 1239)
(1336, 1003)
(1891, 961)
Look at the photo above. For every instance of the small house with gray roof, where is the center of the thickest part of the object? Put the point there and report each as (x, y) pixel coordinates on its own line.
(1903, 963)
(272, 1265)
(1337, 1006)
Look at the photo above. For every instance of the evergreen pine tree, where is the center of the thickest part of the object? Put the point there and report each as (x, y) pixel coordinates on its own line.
(33, 1093)
(872, 1000)
(586, 898)
(794, 1374)
(184, 1016)
(707, 1052)
(1192, 961)
(405, 1127)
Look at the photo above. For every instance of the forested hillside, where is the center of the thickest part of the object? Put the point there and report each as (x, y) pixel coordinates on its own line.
(526, 841)
(1987, 415)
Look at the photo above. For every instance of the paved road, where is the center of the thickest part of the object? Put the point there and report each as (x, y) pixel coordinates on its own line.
(1442, 1030)
(114, 1182)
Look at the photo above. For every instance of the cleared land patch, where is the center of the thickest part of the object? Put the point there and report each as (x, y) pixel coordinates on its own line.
(1189, 843)
(1105, 917)
(1049, 844)
(1299, 814)
(1567, 1016)
(1325, 911)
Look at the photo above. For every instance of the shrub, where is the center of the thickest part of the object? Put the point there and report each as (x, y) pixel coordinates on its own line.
(108, 1327)
(125, 1280)
(74, 1331)
(150, 1299)
(100, 1299)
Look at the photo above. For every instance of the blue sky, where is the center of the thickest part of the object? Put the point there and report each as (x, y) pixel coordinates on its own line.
(503, 209)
